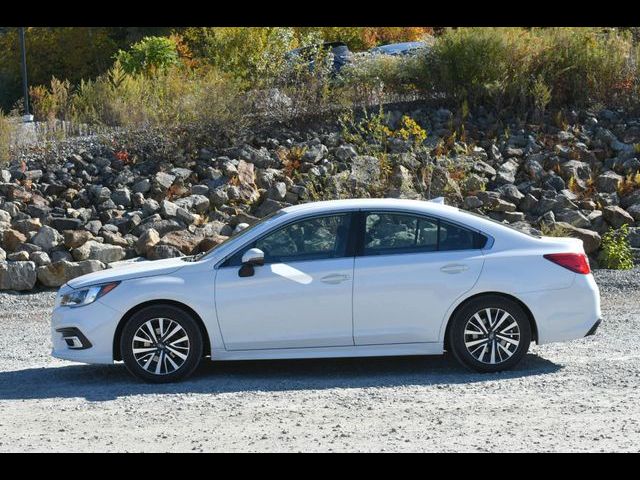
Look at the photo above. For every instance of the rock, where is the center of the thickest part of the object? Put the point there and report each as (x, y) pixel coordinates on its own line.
(514, 217)
(3, 255)
(472, 202)
(64, 223)
(122, 197)
(12, 239)
(5, 216)
(40, 258)
(199, 203)
(240, 227)
(247, 182)
(575, 169)
(344, 153)
(269, 206)
(574, 218)
(208, 243)
(511, 193)
(183, 240)
(590, 239)
(76, 238)
(634, 211)
(365, 171)
(164, 180)
(161, 226)
(608, 182)
(142, 186)
(17, 275)
(616, 216)
(146, 241)
(58, 273)
(474, 182)
(93, 250)
(27, 225)
(315, 154)
(159, 252)
(529, 203)
(634, 237)
(47, 238)
(19, 256)
(507, 172)
(278, 191)
(484, 169)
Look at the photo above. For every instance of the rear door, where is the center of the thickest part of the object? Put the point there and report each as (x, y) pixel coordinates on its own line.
(409, 270)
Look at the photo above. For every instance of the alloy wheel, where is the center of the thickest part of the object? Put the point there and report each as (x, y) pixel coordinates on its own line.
(160, 346)
(492, 335)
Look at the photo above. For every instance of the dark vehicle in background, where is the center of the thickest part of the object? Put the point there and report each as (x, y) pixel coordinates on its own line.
(404, 48)
(340, 55)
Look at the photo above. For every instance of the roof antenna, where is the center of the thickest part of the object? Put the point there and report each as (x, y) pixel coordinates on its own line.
(438, 200)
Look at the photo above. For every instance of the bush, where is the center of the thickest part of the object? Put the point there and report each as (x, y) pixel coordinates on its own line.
(176, 97)
(6, 131)
(616, 252)
(149, 55)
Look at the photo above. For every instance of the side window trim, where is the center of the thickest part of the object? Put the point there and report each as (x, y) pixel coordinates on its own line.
(351, 238)
(361, 230)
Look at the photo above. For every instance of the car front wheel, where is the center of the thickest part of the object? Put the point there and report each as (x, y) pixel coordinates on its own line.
(161, 344)
(490, 334)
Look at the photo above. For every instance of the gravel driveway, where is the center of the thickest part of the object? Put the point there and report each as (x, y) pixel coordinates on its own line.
(578, 396)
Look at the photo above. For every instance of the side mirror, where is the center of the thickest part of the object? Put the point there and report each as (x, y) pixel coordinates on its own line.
(253, 257)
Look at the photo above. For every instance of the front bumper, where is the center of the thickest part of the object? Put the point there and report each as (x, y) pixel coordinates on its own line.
(96, 322)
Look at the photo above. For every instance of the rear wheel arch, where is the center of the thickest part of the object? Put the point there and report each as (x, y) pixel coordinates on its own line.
(461, 305)
(206, 347)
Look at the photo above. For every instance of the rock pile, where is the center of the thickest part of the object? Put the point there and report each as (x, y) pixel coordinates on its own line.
(69, 214)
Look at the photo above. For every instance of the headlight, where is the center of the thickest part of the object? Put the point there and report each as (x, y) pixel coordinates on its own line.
(85, 296)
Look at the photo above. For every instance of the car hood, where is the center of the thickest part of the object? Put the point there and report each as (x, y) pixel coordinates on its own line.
(128, 271)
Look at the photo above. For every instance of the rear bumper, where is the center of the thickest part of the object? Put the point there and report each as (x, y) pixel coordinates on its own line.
(568, 313)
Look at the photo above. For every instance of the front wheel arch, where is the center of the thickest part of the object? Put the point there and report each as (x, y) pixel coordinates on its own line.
(532, 320)
(206, 347)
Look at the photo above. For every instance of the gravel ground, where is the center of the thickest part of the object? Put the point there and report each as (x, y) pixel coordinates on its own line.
(577, 396)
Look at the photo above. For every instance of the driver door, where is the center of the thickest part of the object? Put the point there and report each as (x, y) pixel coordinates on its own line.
(301, 297)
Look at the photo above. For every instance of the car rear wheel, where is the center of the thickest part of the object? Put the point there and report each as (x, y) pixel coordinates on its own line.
(490, 334)
(161, 344)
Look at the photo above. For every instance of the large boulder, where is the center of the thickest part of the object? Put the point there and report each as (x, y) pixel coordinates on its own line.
(590, 239)
(146, 241)
(616, 216)
(608, 182)
(103, 252)
(47, 238)
(59, 273)
(183, 240)
(159, 252)
(76, 238)
(17, 275)
(12, 239)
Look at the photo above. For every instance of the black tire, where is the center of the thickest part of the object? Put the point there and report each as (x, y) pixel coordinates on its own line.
(166, 355)
(498, 345)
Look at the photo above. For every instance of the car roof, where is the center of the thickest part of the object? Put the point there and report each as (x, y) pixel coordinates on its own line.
(425, 207)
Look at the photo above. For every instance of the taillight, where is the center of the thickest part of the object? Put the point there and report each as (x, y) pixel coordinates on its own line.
(576, 262)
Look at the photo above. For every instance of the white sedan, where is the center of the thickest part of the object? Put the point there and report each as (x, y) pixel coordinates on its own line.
(344, 278)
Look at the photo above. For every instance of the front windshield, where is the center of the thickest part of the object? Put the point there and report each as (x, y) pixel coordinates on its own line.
(241, 233)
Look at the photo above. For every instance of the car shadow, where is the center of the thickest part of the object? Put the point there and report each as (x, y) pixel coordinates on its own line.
(107, 382)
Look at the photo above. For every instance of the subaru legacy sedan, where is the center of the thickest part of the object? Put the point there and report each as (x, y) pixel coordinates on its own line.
(344, 278)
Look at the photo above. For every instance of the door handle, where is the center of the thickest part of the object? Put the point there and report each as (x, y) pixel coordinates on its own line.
(454, 268)
(334, 278)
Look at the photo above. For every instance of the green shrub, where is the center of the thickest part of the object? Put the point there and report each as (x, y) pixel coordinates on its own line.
(149, 55)
(616, 252)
